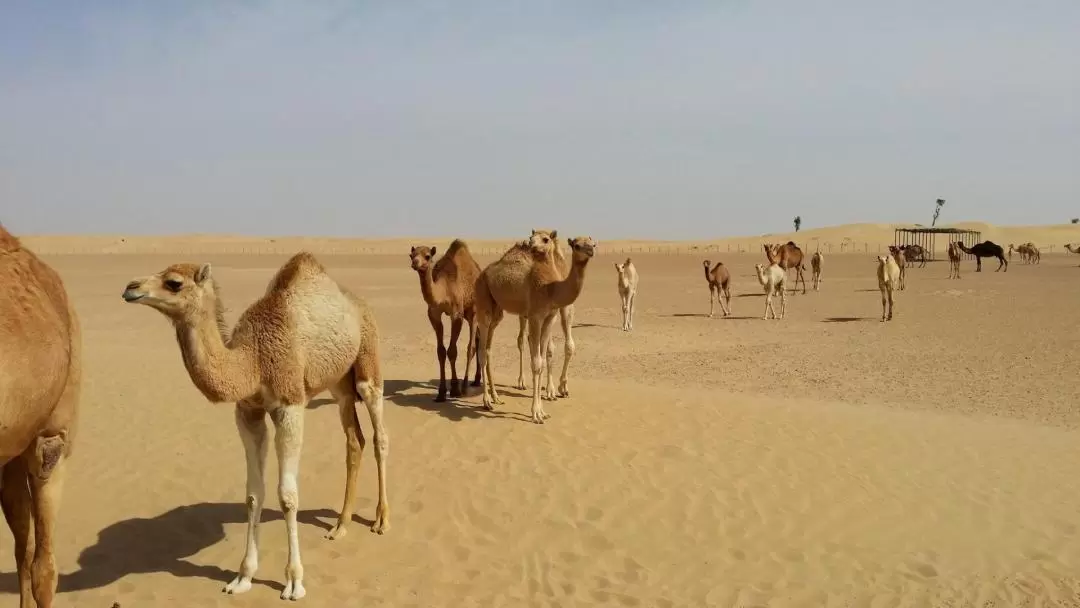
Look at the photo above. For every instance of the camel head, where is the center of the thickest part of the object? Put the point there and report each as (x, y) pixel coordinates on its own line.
(543, 242)
(583, 248)
(421, 257)
(179, 292)
(708, 264)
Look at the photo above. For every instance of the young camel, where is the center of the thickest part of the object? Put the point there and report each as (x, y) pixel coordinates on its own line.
(39, 393)
(627, 284)
(815, 265)
(772, 279)
(527, 282)
(1071, 249)
(888, 274)
(955, 255)
(901, 263)
(306, 334)
(788, 256)
(448, 286)
(719, 280)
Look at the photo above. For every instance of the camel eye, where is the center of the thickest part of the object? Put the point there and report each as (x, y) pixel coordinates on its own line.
(173, 285)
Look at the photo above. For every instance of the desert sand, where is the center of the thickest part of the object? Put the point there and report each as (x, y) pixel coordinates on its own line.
(823, 460)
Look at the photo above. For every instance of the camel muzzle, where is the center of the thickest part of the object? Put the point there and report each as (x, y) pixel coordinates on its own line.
(131, 293)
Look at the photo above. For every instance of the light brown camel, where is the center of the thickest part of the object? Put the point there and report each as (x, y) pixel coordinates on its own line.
(566, 321)
(526, 281)
(1071, 249)
(719, 280)
(448, 287)
(306, 334)
(955, 255)
(1034, 255)
(888, 276)
(816, 262)
(627, 285)
(40, 381)
(901, 263)
(788, 256)
(772, 279)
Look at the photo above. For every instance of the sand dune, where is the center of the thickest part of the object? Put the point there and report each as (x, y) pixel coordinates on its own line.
(825, 460)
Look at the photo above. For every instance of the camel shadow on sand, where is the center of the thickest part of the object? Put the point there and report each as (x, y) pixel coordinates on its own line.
(454, 409)
(163, 543)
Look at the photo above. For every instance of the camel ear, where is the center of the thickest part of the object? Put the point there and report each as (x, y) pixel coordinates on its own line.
(412, 251)
(203, 274)
(432, 252)
(554, 235)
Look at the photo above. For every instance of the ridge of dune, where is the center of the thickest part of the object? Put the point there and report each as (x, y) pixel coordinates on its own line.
(855, 237)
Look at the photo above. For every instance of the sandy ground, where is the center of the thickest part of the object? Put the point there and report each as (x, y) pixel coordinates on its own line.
(824, 460)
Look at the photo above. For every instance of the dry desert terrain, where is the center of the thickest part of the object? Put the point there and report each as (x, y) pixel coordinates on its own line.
(824, 460)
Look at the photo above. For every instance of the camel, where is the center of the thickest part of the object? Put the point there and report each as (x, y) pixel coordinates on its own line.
(986, 249)
(40, 382)
(888, 276)
(447, 286)
(914, 253)
(566, 321)
(527, 282)
(1034, 255)
(954, 260)
(306, 334)
(816, 261)
(901, 263)
(772, 279)
(1071, 249)
(1028, 252)
(788, 256)
(719, 280)
(628, 280)
(1018, 249)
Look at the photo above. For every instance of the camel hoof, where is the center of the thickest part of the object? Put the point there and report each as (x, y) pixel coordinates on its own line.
(455, 391)
(440, 397)
(240, 584)
(520, 385)
(294, 590)
(475, 382)
(337, 533)
(380, 527)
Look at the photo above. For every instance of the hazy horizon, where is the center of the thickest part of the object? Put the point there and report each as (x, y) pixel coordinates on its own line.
(708, 119)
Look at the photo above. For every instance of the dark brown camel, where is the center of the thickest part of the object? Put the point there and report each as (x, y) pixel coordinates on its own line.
(914, 253)
(986, 249)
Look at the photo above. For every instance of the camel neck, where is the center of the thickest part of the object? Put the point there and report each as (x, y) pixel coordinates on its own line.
(566, 291)
(221, 373)
(431, 290)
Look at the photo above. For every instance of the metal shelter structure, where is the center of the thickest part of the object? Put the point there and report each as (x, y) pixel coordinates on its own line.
(927, 238)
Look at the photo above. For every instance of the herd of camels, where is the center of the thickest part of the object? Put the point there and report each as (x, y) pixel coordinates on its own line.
(308, 334)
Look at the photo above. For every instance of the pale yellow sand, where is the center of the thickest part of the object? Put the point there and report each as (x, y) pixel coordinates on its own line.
(825, 460)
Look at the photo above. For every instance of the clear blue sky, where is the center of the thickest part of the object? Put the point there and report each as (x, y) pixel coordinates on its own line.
(486, 118)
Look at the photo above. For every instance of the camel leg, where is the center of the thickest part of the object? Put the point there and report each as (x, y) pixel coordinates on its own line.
(369, 385)
(548, 373)
(723, 294)
(566, 319)
(288, 441)
(802, 277)
(625, 311)
(470, 352)
(15, 499)
(251, 425)
(46, 462)
(435, 318)
(768, 305)
(345, 394)
(486, 331)
(451, 354)
(633, 298)
(522, 321)
(783, 302)
(536, 345)
(712, 295)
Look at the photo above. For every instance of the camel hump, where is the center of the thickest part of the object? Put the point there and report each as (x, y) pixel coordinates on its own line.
(455, 245)
(8, 242)
(300, 266)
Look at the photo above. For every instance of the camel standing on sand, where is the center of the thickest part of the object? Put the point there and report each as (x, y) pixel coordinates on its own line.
(306, 334)
(788, 256)
(448, 286)
(1071, 249)
(566, 320)
(816, 262)
(914, 253)
(40, 382)
(719, 280)
(772, 279)
(901, 263)
(986, 249)
(954, 260)
(527, 282)
(888, 276)
(627, 284)
(1034, 255)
